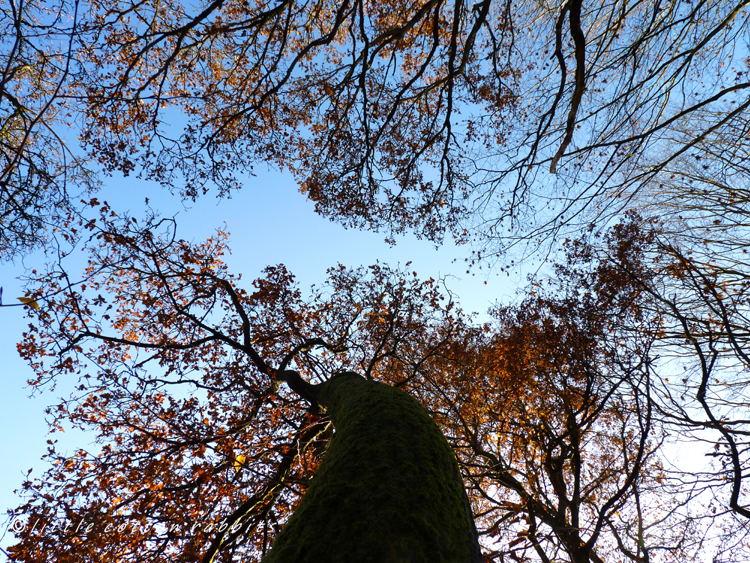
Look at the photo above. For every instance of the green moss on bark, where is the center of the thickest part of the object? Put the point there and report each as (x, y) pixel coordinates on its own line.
(388, 489)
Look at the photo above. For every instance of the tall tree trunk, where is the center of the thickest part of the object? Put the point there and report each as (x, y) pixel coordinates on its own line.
(388, 489)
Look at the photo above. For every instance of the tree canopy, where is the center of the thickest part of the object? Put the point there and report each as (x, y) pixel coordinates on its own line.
(507, 119)
(608, 141)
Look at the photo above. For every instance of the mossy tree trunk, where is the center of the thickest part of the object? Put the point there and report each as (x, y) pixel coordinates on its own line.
(388, 489)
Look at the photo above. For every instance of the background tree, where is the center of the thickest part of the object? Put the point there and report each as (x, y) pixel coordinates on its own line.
(697, 280)
(511, 120)
(39, 172)
(416, 116)
(690, 314)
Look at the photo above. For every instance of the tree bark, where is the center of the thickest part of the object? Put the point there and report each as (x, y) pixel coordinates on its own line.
(388, 490)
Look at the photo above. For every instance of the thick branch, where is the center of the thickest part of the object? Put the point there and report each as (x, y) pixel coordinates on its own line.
(574, 7)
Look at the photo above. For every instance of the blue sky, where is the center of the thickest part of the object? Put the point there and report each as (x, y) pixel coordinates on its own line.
(270, 222)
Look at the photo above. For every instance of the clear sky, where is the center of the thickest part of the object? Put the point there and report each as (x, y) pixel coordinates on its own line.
(270, 222)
